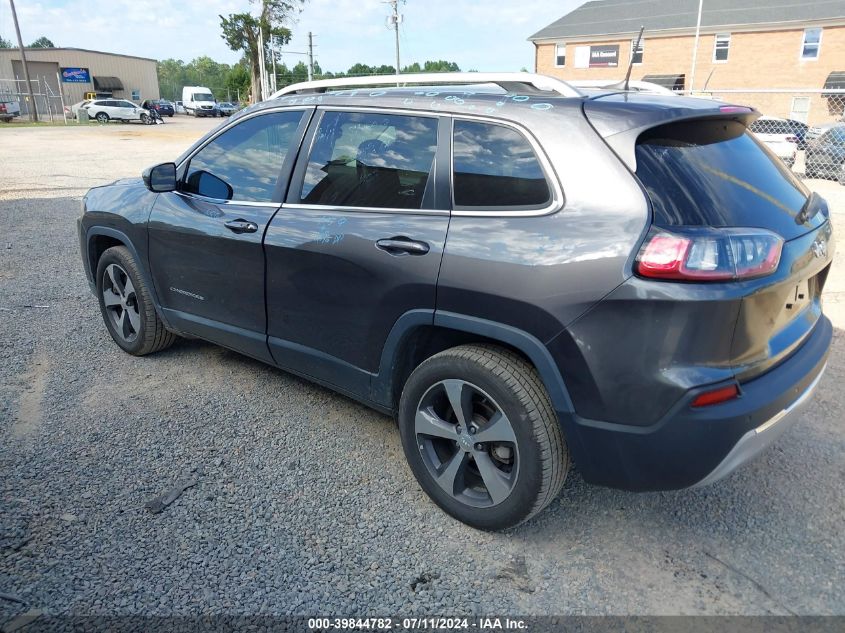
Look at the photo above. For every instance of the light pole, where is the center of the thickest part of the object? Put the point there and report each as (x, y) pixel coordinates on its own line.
(695, 46)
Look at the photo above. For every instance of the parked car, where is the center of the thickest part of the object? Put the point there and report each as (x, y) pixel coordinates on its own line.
(105, 110)
(226, 108)
(778, 136)
(817, 130)
(799, 129)
(9, 109)
(164, 108)
(74, 109)
(617, 281)
(826, 155)
(178, 107)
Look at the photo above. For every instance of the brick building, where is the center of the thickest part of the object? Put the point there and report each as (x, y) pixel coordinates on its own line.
(783, 57)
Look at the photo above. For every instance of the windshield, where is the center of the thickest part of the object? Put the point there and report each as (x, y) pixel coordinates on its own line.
(203, 96)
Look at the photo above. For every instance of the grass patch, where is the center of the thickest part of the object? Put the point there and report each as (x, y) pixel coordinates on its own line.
(21, 123)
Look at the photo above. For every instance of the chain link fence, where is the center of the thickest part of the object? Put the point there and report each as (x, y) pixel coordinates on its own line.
(48, 103)
(805, 128)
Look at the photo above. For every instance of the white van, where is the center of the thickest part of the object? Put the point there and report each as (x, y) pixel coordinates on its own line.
(198, 101)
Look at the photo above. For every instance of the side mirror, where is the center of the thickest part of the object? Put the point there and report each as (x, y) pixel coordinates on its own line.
(160, 178)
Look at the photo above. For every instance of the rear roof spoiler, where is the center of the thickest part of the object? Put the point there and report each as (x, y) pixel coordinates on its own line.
(620, 118)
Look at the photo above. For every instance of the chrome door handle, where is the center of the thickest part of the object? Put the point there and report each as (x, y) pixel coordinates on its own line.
(241, 226)
(403, 246)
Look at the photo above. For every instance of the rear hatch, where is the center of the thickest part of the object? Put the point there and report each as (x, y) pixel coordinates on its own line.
(703, 171)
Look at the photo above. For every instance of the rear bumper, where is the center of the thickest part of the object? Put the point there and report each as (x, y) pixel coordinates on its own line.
(758, 439)
(694, 447)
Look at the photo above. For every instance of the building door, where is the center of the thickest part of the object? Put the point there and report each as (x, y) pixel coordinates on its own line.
(45, 86)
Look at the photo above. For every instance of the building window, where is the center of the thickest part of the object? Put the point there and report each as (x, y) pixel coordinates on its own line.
(637, 51)
(136, 95)
(722, 47)
(800, 109)
(560, 55)
(812, 43)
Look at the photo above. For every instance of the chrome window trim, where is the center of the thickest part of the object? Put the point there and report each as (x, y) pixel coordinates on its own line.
(238, 203)
(557, 199)
(392, 210)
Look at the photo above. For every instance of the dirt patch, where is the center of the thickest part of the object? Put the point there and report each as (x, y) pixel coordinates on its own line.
(29, 416)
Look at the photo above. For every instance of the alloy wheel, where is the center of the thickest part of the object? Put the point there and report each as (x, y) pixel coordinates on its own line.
(467, 443)
(121, 302)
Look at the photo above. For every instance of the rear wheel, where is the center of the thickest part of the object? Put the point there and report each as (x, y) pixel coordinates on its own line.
(102, 117)
(481, 437)
(127, 306)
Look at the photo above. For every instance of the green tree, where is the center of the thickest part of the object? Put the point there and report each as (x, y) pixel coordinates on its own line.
(4, 43)
(42, 42)
(243, 31)
(171, 78)
(441, 66)
(238, 81)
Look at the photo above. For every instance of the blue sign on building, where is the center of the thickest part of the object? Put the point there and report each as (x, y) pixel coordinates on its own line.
(76, 76)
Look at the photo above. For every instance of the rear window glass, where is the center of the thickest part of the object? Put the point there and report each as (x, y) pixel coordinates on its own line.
(714, 173)
(494, 167)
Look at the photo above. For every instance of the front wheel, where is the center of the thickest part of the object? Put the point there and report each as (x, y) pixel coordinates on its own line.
(481, 436)
(146, 119)
(127, 305)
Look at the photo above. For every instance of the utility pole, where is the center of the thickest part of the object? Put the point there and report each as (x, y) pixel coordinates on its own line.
(310, 56)
(393, 22)
(33, 110)
(695, 46)
(273, 53)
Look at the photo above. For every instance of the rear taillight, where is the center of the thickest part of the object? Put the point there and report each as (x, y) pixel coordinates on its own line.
(2, 107)
(709, 254)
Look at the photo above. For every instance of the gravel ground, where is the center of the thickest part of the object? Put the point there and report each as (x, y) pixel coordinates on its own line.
(302, 502)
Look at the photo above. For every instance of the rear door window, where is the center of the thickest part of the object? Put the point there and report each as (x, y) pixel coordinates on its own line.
(495, 167)
(714, 173)
(370, 160)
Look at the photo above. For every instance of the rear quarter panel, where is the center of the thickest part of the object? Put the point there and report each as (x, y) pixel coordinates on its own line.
(540, 273)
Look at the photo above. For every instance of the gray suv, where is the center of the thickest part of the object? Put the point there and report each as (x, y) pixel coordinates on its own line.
(526, 275)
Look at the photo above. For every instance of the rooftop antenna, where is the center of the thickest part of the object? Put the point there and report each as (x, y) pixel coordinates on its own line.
(633, 54)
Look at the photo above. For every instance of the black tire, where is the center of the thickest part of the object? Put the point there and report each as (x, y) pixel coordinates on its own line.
(146, 119)
(150, 335)
(540, 456)
(102, 117)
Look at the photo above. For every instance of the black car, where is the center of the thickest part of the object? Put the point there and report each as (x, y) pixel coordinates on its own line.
(163, 107)
(527, 277)
(826, 155)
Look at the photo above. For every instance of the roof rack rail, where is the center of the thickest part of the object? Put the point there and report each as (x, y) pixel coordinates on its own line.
(509, 81)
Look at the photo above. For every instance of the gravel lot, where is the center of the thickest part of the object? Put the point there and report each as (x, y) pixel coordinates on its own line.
(303, 503)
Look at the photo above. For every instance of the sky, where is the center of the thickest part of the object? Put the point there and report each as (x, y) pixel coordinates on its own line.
(484, 35)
